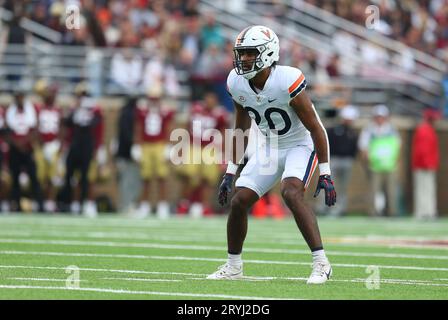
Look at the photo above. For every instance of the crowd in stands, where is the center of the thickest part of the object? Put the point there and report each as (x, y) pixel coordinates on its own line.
(421, 24)
(172, 28)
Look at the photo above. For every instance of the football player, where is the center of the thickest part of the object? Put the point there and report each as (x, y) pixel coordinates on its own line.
(21, 121)
(154, 123)
(82, 123)
(98, 169)
(3, 203)
(275, 97)
(198, 179)
(48, 154)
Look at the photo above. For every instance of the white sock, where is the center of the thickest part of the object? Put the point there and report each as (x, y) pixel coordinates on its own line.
(319, 255)
(234, 260)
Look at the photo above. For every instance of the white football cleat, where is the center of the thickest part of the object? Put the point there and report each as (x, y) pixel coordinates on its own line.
(163, 210)
(75, 207)
(89, 209)
(227, 272)
(196, 210)
(143, 210)
(321, 272)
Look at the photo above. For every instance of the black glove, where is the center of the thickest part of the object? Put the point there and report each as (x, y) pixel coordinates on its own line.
(326, 183)
(225, 188)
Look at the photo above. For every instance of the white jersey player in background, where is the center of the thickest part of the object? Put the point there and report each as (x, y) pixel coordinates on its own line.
(274, 96)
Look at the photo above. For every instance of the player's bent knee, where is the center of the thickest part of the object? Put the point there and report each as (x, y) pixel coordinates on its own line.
(292, 191)
(238, 204)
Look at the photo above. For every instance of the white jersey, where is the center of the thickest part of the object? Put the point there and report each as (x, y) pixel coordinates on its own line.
(21, 122)
(270, 107)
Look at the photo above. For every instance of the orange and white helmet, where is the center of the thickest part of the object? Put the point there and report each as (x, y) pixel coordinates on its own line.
(262, 39)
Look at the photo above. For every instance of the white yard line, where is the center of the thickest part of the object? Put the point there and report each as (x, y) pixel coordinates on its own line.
(220, 248)
(42, 279)
(144, 279)
(190, 276)
(283, 238)
(61, 220)
(384, 281)
(189, 237)
(214, 223)
(185, 258)
(100, 270)
(156, 293)
(245, 278)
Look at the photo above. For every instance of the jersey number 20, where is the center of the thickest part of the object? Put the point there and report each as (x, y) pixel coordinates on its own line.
(268, 116)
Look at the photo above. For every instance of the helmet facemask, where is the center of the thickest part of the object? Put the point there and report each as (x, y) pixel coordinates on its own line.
(249, 68)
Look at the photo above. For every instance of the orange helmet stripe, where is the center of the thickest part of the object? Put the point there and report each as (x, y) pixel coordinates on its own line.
(240, 37)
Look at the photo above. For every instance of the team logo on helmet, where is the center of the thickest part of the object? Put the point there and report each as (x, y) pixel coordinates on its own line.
(260, 44)
(267, 33)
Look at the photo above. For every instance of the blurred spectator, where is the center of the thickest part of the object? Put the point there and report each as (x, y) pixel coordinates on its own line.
(21, 120)
(344, 43)
(373, 54)
(211, 64)
(190, 43)
(127, 169)
(126, 68)
(343, 141)
(94, 29)
(234, 6)
(346, 47)
(82, 122)
(153, 126)
(159, 75)
(333, 66)
(211, 70)
(379, 143)
(140, 15)
(211, 33)
(169, 42)
(191, 8)
(48, 154)
(425, 162)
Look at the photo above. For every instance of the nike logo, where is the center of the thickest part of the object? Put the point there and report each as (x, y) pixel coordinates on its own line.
(328, 274)
(269, 100)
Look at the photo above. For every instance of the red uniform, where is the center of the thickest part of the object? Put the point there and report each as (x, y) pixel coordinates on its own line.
(154, 124)
(49, 119)
(425, 148)
(203, 119)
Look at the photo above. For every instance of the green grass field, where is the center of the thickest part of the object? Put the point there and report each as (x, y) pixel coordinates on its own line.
(121, 258)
